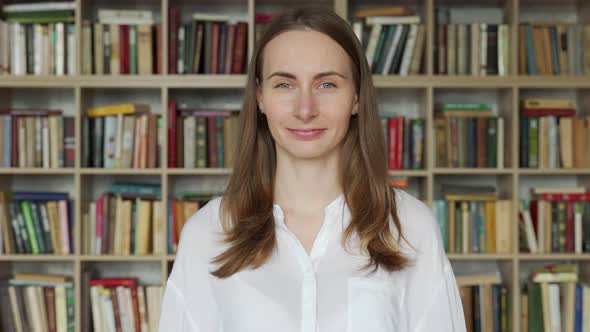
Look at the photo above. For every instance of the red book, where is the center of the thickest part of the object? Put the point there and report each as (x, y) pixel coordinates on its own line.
(49, 294)
(399, 149)
(538, 112)
(172, 134)
(533, 208)
(215, 27)
(124, 47)
(240, 42)
(392, 127)
(114, 282)
(229, 47)
(569, 227)
(560, 197)
(173, 24)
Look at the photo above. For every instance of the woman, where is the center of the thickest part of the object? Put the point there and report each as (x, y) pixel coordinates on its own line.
(308, 235)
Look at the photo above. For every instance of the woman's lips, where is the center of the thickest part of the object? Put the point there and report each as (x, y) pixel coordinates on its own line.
(307, 134)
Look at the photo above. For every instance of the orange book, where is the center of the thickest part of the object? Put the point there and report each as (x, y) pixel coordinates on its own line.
(383, 11)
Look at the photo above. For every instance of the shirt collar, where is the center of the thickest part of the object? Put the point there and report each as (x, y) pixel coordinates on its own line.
(334, 208)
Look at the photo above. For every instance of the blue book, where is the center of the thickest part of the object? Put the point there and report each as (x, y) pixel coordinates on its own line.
(531, 60)
(39, 196)
(578, 309)
(554, 49)
(7, 140)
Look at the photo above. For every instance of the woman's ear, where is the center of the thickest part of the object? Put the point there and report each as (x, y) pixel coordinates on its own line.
(355, 107)
(259, 96)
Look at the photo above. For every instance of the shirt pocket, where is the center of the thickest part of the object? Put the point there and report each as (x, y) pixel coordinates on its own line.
(374, 305)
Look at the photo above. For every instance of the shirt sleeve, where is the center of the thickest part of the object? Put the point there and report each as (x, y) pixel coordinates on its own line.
(189, 303)
(432, 297)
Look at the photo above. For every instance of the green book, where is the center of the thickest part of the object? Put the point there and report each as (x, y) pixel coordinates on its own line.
(533, 142)
(133, 49)
(33, 230)
(535, 307)
(465, 106)
(220, 145)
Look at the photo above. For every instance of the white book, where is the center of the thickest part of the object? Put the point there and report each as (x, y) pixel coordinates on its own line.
(483, 52)
(578, 232)
(142, 309)
(586, 304)
(469, 14)
(38, 49)
(60, 51)
(127, 21)
(554, 308)
(122, 14)
(503, 50)
(408, 50)
(190, 124)
(107, 309)
(372, 46)
(530, 231)
(158, 228)
(553, 154)
(61, 308)
(110, 133)
(357, 27)
(39, 6)
(391, 52)
(388, 20)
(96, 308)
(475, 48)
(71, 49)
(129, 304)
(124, 314)
(213, 17)
(181, 45)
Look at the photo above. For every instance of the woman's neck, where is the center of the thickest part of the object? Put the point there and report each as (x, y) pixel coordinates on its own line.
(306, 185)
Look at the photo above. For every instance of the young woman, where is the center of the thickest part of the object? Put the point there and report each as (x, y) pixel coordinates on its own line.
(308, 235)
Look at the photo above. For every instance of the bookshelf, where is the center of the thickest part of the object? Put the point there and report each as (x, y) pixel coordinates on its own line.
(74, 93)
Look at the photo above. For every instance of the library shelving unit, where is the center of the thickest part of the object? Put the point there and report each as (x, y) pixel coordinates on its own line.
(418, 94)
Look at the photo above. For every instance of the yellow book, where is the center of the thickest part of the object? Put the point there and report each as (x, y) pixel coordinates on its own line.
(490, 226)
(128, 108)
(548, 103)
(470, 197)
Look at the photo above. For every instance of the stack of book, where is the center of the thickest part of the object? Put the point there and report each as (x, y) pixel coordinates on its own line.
(180, 209)
(395, 39)
(469, 135)
(556, 220)
(554, 49)
(128, 219)
(208, 44)
(38, 39)
(123, 305)
(472, 41)
(37, 302)
(473, 220)
(36, 138)
(121, 42)
(404, 139)
(122, 136)
(486, 301)
(202, 138)
(555, 300)
(36, 223)
(551, 136)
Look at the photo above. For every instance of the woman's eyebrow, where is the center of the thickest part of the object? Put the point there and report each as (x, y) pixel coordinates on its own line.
(318, 75)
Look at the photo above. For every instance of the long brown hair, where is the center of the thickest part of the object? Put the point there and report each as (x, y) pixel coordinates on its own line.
(247, 204)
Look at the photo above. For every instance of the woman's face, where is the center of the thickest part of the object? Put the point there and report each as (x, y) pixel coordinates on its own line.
(307, 93)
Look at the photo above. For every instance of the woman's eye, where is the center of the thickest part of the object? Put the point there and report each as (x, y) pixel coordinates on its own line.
(328, 84)
(282, 85)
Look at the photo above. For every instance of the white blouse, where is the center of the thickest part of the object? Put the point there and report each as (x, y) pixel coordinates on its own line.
(325, 291)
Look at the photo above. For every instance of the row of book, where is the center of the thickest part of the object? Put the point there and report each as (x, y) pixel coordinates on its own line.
(121, 304)
(486, 301)
(127, 219)
(36, 138)
(472, 221)
(554, 49)
(38, 39)
(36, 302)
(36, 223)
(393, 38)
(208, 44)
(404, 141)
(555, 299)
(556, 221)
(477, 49)
(551, 136)
(201, 137)
(180, 209)
(469, 135)
(122, 136)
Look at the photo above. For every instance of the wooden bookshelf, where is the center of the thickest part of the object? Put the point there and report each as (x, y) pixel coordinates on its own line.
(426, 87)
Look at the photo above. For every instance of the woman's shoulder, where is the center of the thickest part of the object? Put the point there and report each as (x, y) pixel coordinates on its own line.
(205, 223)
(419, 225)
